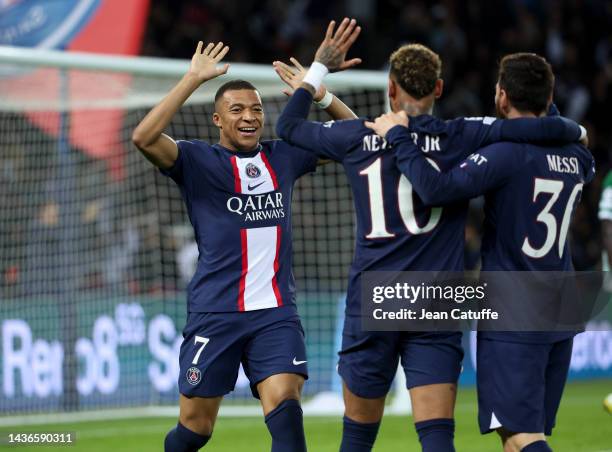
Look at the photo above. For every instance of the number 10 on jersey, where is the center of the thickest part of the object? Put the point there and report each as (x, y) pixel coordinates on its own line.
(379, 229)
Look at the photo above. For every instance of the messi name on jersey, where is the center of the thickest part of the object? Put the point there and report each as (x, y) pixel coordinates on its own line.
(266, 206)
(563, 164)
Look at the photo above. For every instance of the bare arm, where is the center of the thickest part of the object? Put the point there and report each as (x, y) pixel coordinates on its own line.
(148, 136)
(293, 77)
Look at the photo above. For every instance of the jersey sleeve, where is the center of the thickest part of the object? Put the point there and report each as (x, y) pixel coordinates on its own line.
(480, 172)
(480, 132)
(591, 171)
(183, 162)
(553, 110)
(330, 140)
(303, 161)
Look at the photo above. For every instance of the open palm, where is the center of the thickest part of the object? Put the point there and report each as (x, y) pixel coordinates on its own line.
(293, 77)
(204, 61)
(332, 51)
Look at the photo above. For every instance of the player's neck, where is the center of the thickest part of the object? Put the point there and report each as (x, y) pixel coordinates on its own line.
(231, 147)
(513, 113)
(414, 109)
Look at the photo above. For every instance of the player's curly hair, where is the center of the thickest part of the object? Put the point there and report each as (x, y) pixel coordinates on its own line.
(416, 68)
(528, 81)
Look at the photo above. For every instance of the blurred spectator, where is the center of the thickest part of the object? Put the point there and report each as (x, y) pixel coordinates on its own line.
(42, 274)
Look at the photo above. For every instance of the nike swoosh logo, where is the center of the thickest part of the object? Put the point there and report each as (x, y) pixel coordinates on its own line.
(253, 187)
(297, 363)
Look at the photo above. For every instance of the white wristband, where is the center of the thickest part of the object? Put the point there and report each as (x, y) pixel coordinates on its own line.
(326, 101)
(314, 76)
(583, 133)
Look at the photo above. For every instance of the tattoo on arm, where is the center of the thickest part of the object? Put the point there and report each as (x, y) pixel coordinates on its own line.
(330, 57)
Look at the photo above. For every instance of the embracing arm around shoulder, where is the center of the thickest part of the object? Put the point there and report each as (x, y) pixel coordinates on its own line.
(474, 176)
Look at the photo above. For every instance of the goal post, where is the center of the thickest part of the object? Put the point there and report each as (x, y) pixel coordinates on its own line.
(96, 246)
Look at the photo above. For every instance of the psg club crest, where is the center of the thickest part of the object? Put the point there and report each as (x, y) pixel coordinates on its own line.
(252, 171)
(194, 376)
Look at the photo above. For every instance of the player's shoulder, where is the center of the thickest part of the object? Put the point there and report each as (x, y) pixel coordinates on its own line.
(351, 132)
(463, 122)
(193, 145)
(273, 144)
(283, 153)
(586, 160)
(279, 147)
(349, 126)
(505, 153)
(428, 124)
(437, 126)
(576, 150)
(506, 147)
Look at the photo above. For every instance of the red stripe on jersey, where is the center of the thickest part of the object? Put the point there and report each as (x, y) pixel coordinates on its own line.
(270, 170)
(237, 183)
(245, 268)
(279, 300)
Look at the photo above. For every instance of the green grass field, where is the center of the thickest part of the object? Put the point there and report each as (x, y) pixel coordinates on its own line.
(582, 426)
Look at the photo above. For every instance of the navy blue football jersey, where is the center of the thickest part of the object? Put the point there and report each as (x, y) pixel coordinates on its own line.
(530, 195)
(239, 204)
(396, 231)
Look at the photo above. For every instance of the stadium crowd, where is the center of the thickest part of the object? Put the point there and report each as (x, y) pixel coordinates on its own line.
(470, 37)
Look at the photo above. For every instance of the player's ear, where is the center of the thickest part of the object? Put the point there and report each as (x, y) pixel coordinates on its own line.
(392, 88)
(217, 120)
(503, 100)
(439, 88)
(500, 98)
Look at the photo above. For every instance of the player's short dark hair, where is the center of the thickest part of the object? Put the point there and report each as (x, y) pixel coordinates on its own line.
(416, 68)
(233, 85)
(528, 81)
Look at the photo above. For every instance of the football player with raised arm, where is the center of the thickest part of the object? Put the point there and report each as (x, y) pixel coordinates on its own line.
(530, 196)
(396, 231)
(241, 300)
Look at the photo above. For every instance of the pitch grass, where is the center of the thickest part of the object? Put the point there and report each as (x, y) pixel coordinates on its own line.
(582, 426)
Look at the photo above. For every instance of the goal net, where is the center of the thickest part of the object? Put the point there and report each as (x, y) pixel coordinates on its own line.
(96, 248)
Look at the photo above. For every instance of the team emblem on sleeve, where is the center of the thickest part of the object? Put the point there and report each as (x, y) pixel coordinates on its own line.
(252, 171)
(193, 376)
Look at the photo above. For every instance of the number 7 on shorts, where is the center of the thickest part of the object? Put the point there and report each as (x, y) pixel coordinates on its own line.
(199, 340)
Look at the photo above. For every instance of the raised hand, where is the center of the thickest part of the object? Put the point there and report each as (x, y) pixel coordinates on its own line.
(332, 51)
(204, 62)
(293, 77)
(386, 122)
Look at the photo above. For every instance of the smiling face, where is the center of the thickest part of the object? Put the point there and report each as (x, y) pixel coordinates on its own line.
(240, 118)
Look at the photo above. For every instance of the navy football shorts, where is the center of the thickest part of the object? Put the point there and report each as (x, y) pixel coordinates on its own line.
(267, 342)
(369, 359)
(520, 384)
